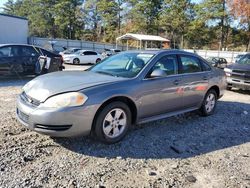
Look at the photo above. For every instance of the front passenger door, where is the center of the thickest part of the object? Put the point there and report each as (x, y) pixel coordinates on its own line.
(160, 95)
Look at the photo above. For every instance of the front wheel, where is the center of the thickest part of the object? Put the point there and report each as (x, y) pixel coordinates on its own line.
(209, 103)
(76, 61)
(113, 122)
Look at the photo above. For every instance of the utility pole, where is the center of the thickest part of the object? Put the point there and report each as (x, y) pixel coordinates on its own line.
(222, 24)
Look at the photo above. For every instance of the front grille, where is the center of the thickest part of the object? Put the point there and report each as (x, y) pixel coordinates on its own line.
(25, 98)
(242, 71)
(53, 127)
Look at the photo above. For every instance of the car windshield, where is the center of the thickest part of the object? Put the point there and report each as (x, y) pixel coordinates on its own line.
(126, 65)
(245, 60)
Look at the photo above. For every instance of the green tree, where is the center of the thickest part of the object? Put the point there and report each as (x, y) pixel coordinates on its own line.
(175, 20)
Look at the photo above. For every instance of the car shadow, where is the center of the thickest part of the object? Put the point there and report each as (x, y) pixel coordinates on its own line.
(181, 136)
(12, 81)
(244, 92)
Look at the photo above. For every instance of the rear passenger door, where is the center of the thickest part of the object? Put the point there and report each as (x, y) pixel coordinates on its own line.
(5, 59)
(92, 56)
(195, 80)
(29, 58)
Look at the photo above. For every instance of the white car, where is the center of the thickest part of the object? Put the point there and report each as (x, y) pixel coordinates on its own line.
(82, 57)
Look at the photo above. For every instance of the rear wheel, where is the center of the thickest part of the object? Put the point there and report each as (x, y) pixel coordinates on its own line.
(113, 122)
(98, 60)
(209, 103)
(76, 61)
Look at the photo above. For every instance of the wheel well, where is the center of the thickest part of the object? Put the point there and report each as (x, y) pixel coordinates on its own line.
(126, 100)
(217, 90)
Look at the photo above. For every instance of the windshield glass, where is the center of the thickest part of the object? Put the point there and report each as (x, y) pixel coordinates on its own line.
(123, 65)
(245, 60)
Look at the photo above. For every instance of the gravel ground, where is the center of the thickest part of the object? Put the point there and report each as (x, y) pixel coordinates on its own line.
(182, 151)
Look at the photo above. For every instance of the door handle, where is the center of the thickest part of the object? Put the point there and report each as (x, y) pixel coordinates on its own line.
(205, 77)
(176, 82)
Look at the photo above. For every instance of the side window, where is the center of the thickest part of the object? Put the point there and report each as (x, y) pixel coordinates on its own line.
(5, 51)
(190, 64)
(168, 64)
(16, 51)
(90, 53)
(205, 66)
(45, 52)
(29, 51)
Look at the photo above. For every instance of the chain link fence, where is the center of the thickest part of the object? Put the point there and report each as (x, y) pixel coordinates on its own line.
(228, 55)
(58, 44)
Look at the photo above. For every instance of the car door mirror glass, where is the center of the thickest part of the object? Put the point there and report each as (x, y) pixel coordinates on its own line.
(158, 73)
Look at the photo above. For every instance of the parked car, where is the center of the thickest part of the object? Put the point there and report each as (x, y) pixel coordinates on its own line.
(238, 74)
(22, 59)
(110, 52)
(237, 58)
(83, 57)
(128, 88)
(217, 62)
(69, 51)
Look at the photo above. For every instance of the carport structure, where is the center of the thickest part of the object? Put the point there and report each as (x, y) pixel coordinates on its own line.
(143, 38)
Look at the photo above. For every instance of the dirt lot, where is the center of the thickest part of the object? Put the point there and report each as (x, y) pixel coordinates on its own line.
(182, 151)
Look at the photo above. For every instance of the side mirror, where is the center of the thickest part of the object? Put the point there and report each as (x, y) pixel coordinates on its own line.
(82, 54)
(158, 73)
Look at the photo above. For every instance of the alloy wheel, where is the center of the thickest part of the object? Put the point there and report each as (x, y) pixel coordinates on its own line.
(114, 123)
(210, 102)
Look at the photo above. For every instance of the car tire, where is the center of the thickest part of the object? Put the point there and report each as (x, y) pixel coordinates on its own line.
(209, 103)
(112, 122)
(229, 88)
(76, 61)
(98, 60)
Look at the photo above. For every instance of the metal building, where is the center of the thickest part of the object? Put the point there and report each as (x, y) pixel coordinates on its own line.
(13, 29)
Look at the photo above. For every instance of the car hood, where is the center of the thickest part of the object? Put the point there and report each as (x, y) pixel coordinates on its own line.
(50, 84)
(237, 66)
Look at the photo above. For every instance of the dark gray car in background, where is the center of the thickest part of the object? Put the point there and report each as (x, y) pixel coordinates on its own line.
(128, 88)
(22, 59)
(238, 74)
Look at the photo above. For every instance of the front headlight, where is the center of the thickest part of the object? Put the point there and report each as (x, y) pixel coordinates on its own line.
(227, 70)
(65, 100)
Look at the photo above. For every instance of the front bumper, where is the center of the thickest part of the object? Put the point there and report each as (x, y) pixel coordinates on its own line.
(67, 122)
(238, 83)
(68, 61)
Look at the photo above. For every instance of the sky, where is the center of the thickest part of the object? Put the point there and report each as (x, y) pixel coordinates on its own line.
(2, 2)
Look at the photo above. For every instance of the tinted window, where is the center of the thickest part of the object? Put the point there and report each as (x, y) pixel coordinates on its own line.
(190, 64)
(89, 53)
(5, 51)
(46, 53)
(29, 51)
(205, 66)
(168, 64)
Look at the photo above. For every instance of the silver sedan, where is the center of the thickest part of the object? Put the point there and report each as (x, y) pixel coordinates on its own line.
(125, 89)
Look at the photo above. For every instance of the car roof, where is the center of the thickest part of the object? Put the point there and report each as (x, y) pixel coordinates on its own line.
(156, 52)
(2, 45)
(87, 51)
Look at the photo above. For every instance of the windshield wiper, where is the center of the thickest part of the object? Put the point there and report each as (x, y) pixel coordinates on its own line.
(106, 73)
